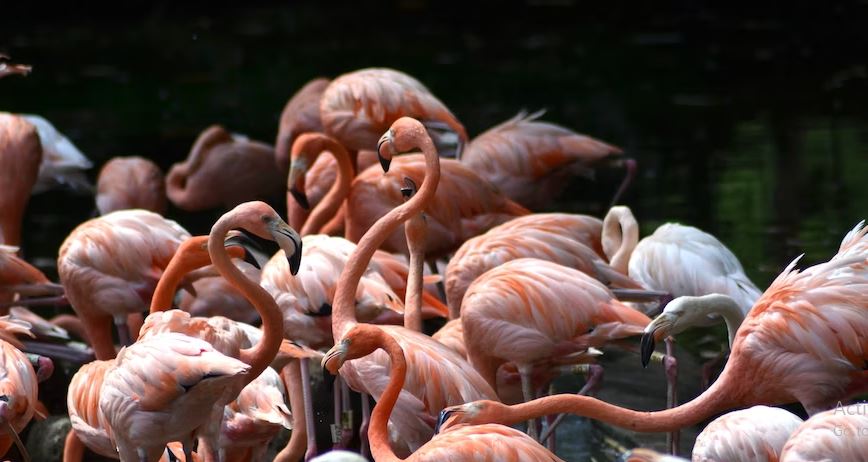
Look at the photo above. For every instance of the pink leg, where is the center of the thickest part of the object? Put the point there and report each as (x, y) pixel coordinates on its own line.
(346, 416)
(592, 384)
(311, 451)
(670, 365)
(366, 420)
(708, 369)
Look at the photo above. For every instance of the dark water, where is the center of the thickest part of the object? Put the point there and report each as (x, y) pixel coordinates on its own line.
(748, 124)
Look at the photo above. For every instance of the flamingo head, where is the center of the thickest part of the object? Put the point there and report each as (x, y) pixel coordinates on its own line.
(258, 218)
(474, 413)
(404, 135)
(360, 341)
(305, 150)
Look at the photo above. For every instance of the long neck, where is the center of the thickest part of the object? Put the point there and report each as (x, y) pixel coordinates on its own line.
(330, 204)
(261, 354)
(620, 237)
(378, 431)
(295, 447)
(714, 400)
(415, 229)
(727, 308)
(168, 283)
(343, 315)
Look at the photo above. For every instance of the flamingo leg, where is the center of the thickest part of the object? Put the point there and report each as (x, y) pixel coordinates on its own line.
(592, 384)
(307, 399)
(670, 365)
(708, 369)
(346, 416)
(123, 331)
(441, 289)
(366, 420)
(551, 441)
(336, 426)
(524, 371)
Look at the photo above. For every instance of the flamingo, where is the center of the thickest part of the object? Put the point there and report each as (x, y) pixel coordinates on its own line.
(416, 231)
(757, 433)
(130, 183)
(479, 443)
(190, 374)
(526, 239)
(109, 267)
(225, 170)
(678, 259)
(836, 434)
(804, 340)
(214, 296)
(300, 115)
(532, 161)
(437, 376)
(7, 69)
(528, 311)
(89, 427)
(357, 107)
(20, 156)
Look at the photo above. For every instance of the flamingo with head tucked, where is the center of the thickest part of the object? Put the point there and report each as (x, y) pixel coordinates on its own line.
(130, 183)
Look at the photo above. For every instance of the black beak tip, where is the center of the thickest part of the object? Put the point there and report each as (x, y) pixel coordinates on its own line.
(300, 197)
(647, 347)
(247, 244)
(444, 414)
(385, 163)
(295, 260)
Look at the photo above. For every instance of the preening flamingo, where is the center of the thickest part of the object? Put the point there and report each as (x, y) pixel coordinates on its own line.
(479, 443)
(20, 156)
(530, 312)
(357, 107)
(527, 239)
(130, 183)
(7, 69)
(223, 170)
(300, 115)
(757, 434)
(836, 434)
(180, 378)
(437, 376)
(110, 266)
(804, 340)
(532, 161)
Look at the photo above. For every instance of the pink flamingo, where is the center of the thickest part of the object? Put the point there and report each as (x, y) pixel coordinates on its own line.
(357, 107)
(532, 161)
(836, 434)
(130, 183)
(300, 115)
(20, 156)
(223, 170)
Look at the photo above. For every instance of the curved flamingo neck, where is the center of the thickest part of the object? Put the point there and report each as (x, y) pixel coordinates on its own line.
(723, 306)
(719, 397)
(260, 355)
(164, 293)
(620, 237)
(343, 313)
(416, 232)
(332, 201)
(378, 431)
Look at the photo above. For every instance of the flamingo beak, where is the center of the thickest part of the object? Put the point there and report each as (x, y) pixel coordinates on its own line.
(657, 328)
(385, 162)
(445, 414)
(288, 240)
(334, 358)
(300, 197)
(249, 245)
(410, 188)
